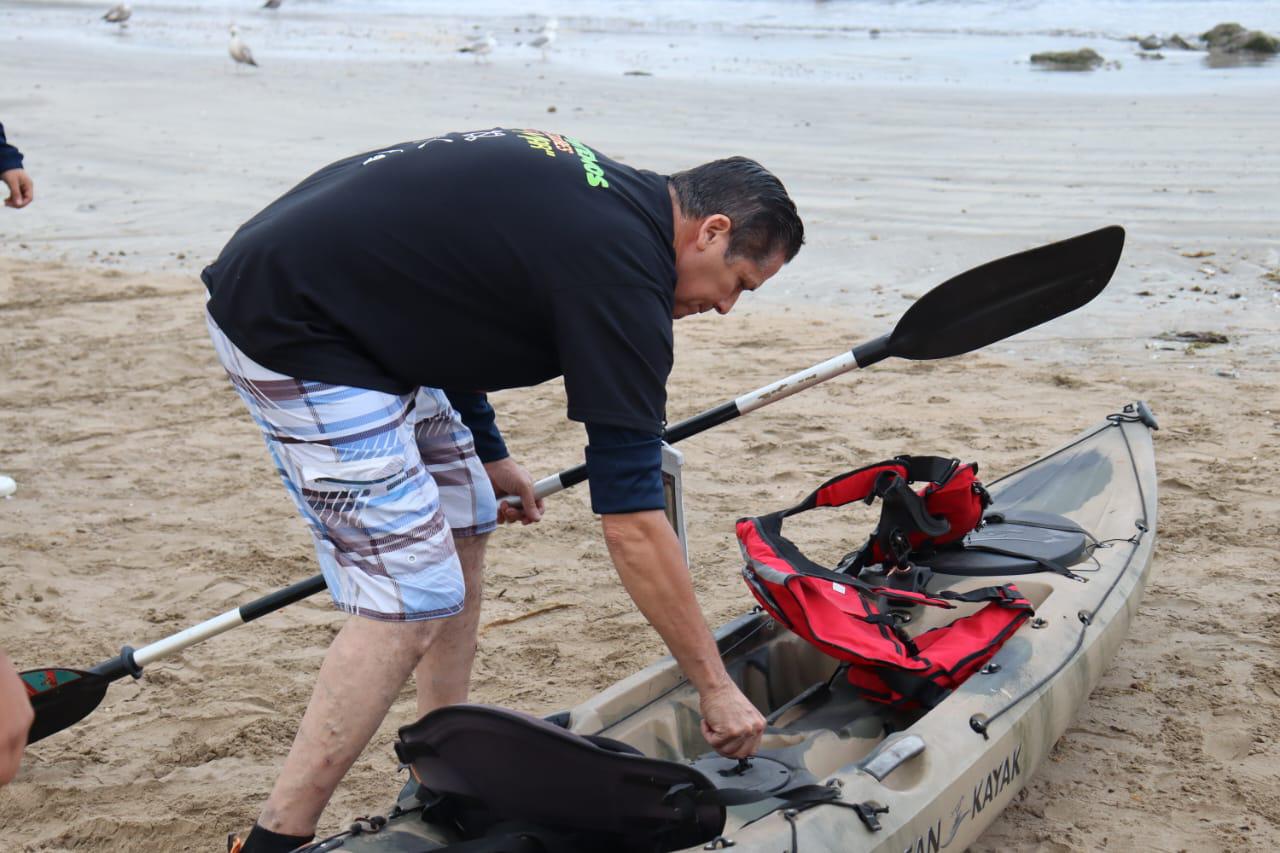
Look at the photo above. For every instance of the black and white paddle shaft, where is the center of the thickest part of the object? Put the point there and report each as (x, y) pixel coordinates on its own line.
(62, 697)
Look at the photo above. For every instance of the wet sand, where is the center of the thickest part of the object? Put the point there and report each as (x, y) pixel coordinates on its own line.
(146, 501)
(898, 185)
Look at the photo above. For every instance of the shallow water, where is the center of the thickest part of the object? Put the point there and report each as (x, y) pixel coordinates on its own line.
(964, 43)
(914, 155)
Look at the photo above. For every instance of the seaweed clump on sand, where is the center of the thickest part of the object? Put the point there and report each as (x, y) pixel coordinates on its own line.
(1085, 59)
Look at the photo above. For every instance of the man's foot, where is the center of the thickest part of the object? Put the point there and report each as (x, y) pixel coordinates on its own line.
(259, 839)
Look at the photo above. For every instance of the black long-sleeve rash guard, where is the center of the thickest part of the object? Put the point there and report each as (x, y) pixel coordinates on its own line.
(10, 157)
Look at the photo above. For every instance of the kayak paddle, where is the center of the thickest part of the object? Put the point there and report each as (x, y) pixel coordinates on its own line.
(986, 304)
(976, 308)
(63, 697)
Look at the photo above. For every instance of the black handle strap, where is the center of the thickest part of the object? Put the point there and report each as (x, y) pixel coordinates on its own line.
(1049, 565)
(800, 795)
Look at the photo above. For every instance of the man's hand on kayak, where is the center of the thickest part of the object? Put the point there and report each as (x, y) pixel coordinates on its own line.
(651, 564)
(730, 723)
(510, 478)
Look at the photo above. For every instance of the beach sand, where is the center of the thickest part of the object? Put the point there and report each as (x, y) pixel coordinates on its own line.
(146, 501)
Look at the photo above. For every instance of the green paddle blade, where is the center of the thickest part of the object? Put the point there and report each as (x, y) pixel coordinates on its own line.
(1004, 297)
(61, 698)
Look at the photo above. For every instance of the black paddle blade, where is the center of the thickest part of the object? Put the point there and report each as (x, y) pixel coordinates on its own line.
(1008, 296)
(61, 698)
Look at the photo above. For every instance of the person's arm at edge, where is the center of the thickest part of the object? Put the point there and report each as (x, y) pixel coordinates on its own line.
(10, 156)
(15, 719)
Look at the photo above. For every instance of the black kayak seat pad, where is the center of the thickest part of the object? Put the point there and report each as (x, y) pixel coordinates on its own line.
(487, 766)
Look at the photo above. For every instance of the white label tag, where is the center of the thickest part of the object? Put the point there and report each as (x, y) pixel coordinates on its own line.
(838, 587)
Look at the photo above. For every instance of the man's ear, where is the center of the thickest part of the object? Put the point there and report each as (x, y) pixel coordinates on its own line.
(714, 227)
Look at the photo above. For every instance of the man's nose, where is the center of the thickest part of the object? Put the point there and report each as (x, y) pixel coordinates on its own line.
(724, 306)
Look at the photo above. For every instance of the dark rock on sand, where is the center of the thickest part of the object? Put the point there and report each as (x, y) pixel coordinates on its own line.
(1233, 38)
(1179, 42)
(1222, 34)
(1152, 42)
(1085, 59)
(1194, 337)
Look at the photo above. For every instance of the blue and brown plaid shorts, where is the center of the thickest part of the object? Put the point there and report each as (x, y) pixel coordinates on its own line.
(383, 481)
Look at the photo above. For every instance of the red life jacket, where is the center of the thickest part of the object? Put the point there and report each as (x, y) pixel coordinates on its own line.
(850, 619)
(944, 511)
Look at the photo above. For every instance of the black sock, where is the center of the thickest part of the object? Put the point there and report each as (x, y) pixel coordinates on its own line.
(262, 840)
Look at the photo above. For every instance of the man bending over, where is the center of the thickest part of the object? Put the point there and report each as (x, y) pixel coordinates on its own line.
(363, 315)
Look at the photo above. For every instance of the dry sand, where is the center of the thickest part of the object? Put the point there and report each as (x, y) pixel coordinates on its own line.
(146, 501)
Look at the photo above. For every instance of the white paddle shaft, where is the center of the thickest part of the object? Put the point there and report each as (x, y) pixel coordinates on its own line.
(749, 402)
(796, 382)
(188, 637)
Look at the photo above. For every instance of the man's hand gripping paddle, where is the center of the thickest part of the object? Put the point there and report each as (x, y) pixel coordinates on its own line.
(976, 308)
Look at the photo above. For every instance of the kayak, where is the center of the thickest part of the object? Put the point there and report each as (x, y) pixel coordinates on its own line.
(906, 780)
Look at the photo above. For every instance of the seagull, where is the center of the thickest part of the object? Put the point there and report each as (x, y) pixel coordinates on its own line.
(272, 4)
(480, 47)
(545, 37)
(118, 14)
(239, 50)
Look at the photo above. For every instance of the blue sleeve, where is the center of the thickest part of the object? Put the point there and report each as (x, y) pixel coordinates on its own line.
(10, 157)
(625, 467)
(474, 409)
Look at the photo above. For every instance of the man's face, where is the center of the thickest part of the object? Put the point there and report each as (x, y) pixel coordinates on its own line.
(706, 279)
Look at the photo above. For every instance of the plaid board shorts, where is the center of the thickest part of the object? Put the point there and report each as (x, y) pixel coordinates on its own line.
(383, 481)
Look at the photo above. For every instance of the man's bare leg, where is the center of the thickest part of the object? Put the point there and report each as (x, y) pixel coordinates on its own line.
(363, 671)
(362, 674)
(444, 675)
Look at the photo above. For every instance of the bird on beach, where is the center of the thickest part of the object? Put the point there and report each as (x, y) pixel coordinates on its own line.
(239, 50)
(118, 14)
(480, 47)
(545, 37)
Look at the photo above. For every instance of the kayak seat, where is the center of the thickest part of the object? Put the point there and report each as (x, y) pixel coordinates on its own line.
(484, 769)
(1012, 542)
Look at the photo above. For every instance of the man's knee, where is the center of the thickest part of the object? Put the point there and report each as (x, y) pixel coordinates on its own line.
(410, 639)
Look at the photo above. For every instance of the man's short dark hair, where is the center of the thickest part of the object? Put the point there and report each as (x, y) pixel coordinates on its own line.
(763, 215)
